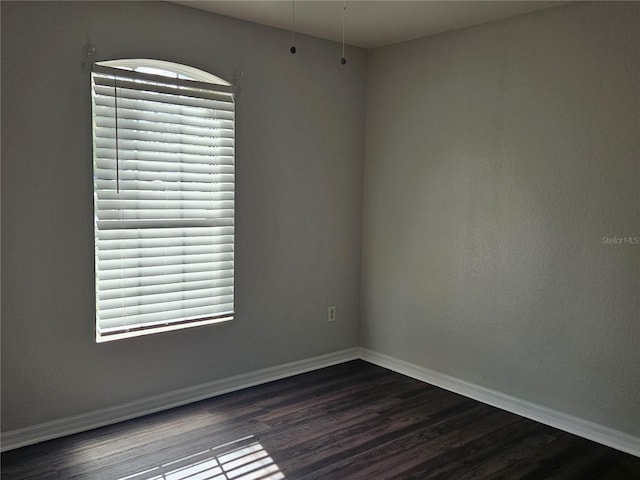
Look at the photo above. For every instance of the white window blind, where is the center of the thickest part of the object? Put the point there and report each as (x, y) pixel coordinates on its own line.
(163, 200)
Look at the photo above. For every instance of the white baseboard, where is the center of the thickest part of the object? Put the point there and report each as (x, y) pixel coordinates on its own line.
(577, 426)
(80, 423)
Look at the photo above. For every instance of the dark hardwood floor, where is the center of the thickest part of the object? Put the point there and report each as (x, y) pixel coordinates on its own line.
(347, 422)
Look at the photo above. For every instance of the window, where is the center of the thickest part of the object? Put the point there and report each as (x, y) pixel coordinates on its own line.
(163, 172)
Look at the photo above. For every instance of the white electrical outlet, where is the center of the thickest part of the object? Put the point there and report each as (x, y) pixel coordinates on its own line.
(331, 314)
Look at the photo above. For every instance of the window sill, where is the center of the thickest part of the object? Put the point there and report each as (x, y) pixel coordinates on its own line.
(160, 329)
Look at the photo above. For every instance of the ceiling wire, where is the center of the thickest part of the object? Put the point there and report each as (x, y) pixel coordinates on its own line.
(343, 60)
(293, 27)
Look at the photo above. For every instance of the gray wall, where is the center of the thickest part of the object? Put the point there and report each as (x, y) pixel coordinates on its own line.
(497, 157)
(300, 130)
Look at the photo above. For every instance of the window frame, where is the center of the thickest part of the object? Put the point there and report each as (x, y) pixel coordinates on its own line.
(180, 81)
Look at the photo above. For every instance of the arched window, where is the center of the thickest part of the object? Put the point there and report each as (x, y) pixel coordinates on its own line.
(163, 164)
(166, 69)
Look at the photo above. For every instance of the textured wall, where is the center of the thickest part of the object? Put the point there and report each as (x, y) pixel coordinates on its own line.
(300, 129)
(497, 157)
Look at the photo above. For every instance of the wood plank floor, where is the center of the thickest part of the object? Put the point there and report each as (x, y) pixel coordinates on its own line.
(347, 422)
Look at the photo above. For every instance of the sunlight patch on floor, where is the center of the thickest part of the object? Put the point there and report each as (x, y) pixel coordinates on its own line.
(243, 459)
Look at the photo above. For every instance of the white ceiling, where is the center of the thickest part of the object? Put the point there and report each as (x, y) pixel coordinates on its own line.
(369, 24)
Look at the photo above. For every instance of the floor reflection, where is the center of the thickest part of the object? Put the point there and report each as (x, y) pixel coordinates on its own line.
(243, 459)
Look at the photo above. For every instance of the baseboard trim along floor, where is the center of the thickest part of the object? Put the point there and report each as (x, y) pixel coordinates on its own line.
(577, 426)
(79, 423)
(99, 418)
